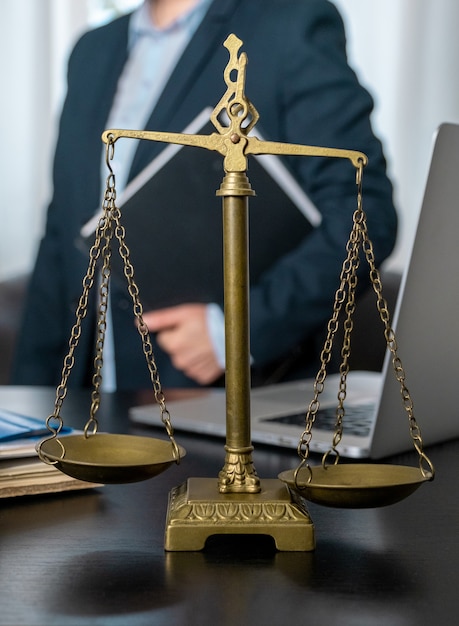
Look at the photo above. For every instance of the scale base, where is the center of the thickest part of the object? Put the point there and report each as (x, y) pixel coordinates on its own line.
(197, 510)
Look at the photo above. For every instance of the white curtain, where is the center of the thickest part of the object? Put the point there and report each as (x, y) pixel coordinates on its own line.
(35, 40)
(405, 51)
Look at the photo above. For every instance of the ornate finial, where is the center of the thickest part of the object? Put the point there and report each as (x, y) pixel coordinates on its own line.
(234, 102)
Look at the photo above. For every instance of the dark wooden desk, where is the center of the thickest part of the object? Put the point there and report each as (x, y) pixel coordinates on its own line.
(97, 557)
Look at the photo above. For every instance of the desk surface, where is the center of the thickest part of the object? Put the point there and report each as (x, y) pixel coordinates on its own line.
(97, 557)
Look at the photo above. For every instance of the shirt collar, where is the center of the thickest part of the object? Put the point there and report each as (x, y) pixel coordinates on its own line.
(140, 23)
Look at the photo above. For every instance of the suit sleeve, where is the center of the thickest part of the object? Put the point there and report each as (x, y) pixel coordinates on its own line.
(56, 282)
(318, 101)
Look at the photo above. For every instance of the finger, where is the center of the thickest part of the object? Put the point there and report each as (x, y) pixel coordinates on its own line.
(204, 371)
(161, 319)
(167, 340)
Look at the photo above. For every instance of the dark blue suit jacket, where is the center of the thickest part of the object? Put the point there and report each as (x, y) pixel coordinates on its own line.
(299, 80)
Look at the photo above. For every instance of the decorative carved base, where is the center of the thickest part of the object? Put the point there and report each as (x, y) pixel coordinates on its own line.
(197, 510)
(238, 474)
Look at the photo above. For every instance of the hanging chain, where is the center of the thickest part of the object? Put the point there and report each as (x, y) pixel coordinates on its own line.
(120, 234)
(54, 422)
(107, 235)
(108, 226)
(346, 295)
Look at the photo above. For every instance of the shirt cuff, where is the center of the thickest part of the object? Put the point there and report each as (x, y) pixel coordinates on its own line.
(216, 327)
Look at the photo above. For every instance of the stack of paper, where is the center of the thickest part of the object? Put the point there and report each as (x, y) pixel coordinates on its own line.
(21, 471)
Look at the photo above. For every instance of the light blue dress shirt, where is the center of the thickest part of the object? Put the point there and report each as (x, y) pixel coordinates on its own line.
(153, 54)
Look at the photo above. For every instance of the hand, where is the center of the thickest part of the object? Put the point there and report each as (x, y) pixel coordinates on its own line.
(182, 332)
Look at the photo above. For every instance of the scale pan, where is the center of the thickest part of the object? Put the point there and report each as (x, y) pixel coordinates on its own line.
(356, 486)
(109, 458)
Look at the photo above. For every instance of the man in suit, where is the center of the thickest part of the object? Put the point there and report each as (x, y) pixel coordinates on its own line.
(159, 67)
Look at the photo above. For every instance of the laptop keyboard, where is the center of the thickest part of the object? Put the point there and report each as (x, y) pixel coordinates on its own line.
(358, 420)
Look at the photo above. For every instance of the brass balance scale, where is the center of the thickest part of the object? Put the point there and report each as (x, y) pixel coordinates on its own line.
(238, 501)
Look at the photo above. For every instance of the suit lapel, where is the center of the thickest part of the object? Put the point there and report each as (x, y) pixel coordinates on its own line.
(208, 38)
(97, 83)
(113, 55)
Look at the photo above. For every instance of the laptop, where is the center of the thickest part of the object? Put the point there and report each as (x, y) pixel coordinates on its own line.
(425, 322)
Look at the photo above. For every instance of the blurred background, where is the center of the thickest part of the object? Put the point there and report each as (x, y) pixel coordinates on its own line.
(404, 51)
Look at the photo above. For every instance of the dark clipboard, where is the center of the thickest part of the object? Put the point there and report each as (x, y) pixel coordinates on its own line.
(173, 222)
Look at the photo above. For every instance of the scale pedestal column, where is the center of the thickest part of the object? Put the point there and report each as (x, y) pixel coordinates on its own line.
(238, 502)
